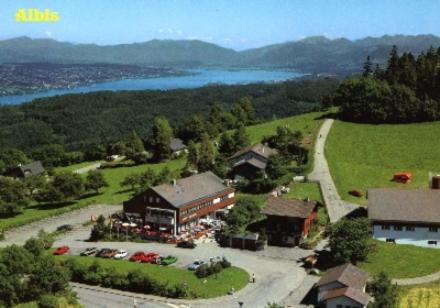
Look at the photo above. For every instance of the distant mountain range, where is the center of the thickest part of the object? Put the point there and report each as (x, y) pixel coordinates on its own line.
(313, 54)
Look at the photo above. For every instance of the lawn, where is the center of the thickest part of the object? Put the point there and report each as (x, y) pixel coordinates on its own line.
(307, 123)
(423, 295)
(113, 194)
(214, 286)
(365, 156)
(402, 261)
(304, 190)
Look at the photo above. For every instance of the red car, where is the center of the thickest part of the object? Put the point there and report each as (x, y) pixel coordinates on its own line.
(137, 256)
(61, 250)
(150, 257)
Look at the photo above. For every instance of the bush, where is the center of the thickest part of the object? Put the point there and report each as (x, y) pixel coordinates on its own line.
(225, 263)
(48, 301)
(203, 271)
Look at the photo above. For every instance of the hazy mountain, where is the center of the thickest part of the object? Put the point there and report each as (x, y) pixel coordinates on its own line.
(314, 54)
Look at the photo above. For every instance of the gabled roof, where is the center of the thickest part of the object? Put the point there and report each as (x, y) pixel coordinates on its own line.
(253, 162)
(177, 144)
(31, 169)
(288, 207)
(347, 274)
(352, 293)
(259, 149)
(407, 205)
(190, 189)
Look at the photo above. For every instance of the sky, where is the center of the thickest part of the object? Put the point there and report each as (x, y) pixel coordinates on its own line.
(237, 24)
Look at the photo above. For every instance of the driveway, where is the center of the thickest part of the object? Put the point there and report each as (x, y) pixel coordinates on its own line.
(278, 272)
(76, 218)
(336, 207)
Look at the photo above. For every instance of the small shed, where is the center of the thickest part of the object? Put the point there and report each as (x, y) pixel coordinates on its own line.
(244, 241)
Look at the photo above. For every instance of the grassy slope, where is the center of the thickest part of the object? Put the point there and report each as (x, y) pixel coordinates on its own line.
(214, 286)
(114, 194)
(402, 261)
(366, 156)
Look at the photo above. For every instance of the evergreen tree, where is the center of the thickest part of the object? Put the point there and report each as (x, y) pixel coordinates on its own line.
(227, 145)
(193, 155)
(206, 154)
(392, 72)
(246, 104)
(241, 137)
(193, 129)
(367, 67)
(135, 149)
(162, 134)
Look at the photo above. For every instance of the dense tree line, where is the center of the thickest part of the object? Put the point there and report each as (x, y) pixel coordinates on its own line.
(407, 90)
(29, 273)
(76, 121)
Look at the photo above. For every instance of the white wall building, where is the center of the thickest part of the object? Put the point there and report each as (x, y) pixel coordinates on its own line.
(405, 216)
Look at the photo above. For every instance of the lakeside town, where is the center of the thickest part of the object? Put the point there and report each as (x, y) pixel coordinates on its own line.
(20, 78)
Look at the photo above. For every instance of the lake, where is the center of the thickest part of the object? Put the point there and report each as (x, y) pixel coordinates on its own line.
(197, 78)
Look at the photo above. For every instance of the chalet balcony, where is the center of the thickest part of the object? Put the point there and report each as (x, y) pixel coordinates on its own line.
(159, 219)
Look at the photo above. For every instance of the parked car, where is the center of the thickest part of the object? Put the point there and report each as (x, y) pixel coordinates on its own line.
(168, 260)
(89, 251)
(103, 252)
(195, 265)
(65, 228)
(61, 250)
(120, 254)
(187, 244)
(150, 257)
(137, 256)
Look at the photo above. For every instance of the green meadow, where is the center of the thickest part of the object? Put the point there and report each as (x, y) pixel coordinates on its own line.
(363, 156)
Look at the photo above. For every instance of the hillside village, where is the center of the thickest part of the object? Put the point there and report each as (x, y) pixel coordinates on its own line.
(324, 210)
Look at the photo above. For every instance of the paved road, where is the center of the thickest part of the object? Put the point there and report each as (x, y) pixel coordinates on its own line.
(418, 280)
(336, 207)
(277, 270)
(75, 218)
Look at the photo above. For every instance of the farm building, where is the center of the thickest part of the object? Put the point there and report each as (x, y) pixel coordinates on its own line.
(288, 221)
(343, 286)
(248, 161)
(177, 146)
(405, 216)
(178, 206)
(27, 170)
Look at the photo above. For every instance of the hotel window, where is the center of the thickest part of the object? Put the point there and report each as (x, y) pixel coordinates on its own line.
(151, 199)
(397, 228)
(157, 199)
(433, 229)
(410, 228)
(432, 242)
(385, 227)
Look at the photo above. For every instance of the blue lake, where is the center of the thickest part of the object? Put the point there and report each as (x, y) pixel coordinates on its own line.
(198, 78)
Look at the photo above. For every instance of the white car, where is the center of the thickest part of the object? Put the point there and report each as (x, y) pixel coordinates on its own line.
(121, 254)
(195, 265)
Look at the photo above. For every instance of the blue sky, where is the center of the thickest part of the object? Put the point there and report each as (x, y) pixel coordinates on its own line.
(238, 24)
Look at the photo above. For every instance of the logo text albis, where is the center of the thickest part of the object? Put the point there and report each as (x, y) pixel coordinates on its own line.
(36, 15)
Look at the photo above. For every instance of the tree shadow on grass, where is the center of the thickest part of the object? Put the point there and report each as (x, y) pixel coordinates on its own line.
(53, 206)
(328, 115)
(120, 192)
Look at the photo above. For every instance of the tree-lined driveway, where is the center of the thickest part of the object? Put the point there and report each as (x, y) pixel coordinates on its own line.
(336, 207)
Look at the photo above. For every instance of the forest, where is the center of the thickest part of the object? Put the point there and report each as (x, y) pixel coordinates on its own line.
(76, 121)
(406, 90)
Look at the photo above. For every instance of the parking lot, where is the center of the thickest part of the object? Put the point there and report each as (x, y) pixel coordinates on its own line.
(275, 268)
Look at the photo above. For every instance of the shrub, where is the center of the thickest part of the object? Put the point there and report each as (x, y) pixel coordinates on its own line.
(48, 301)
(225, 263)
(203, 271)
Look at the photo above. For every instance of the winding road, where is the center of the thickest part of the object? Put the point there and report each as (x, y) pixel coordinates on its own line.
(336, 207)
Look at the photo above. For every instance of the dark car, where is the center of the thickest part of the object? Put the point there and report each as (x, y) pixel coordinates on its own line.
(65, 228)
(89, 251)
(103, 252)
(186, 244)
